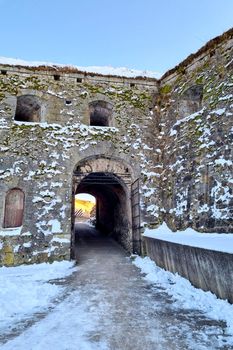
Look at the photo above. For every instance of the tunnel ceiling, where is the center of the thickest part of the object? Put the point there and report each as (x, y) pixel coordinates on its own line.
(101, 178)
(101, 185)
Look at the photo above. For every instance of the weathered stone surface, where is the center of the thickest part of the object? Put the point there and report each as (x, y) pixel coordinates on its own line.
(173, 134)
(8, 256)
(197, 110)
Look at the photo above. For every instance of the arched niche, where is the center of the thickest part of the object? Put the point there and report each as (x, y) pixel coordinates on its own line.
(193, 93)
(100, 113)
(28, 109)
(191, 100)
(14, 208)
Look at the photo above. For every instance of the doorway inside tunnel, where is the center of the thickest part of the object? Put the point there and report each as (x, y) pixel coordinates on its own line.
(117, 213)
(85, 209)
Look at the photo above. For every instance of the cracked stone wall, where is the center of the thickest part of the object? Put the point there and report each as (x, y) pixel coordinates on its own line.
(175, 134)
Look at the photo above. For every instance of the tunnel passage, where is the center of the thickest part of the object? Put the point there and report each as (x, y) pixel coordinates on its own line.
(113, 206)
(111, 201)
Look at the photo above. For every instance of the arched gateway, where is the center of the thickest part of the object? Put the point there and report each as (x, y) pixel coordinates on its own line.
(116, 189)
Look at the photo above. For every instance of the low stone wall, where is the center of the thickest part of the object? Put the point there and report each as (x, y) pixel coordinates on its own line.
(206, 269)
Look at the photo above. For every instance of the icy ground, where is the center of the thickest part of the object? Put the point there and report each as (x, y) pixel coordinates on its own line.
(107, 303)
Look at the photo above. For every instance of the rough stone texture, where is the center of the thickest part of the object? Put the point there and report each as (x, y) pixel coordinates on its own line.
(182, 159)
(206, 269)
(196, 111)
(40, 158)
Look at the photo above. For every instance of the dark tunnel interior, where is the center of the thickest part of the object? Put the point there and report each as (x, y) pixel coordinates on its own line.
(111, 202)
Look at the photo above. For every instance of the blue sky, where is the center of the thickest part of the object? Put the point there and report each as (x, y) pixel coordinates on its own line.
(141, 34)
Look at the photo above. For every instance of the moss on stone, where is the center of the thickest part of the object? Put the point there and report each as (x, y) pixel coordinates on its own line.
(166, 89)
(8, 255)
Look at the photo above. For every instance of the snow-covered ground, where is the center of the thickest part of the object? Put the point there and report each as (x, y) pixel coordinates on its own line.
(98, 307)
(25, 290)
(187, 296)
(105, 70)
(65, 328)
(213, 241)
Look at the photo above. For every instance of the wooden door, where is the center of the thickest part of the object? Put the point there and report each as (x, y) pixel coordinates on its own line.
(14, 207)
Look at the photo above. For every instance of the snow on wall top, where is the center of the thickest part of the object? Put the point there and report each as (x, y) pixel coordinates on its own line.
(105, 70)
(221, 242)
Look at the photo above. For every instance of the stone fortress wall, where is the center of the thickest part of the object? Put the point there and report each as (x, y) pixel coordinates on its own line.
(173, 134)
(196, 112)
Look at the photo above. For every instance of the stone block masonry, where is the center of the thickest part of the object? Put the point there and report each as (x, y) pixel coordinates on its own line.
(173, 134)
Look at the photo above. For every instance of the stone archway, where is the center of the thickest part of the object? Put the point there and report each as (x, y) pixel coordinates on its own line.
(112, 183)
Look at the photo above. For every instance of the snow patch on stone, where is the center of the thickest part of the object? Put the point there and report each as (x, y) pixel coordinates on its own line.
(14, 231)
(56, 226)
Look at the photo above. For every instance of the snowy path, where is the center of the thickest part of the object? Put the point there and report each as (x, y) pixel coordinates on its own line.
(110, 306)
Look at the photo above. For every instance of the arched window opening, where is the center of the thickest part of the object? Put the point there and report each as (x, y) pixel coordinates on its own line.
(14, 208)
(191, 100)
(85, 208)
(100, 113)
(194, 93)
(28, 109)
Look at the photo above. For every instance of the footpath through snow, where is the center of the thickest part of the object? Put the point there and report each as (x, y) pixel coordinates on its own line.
(108, 304)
